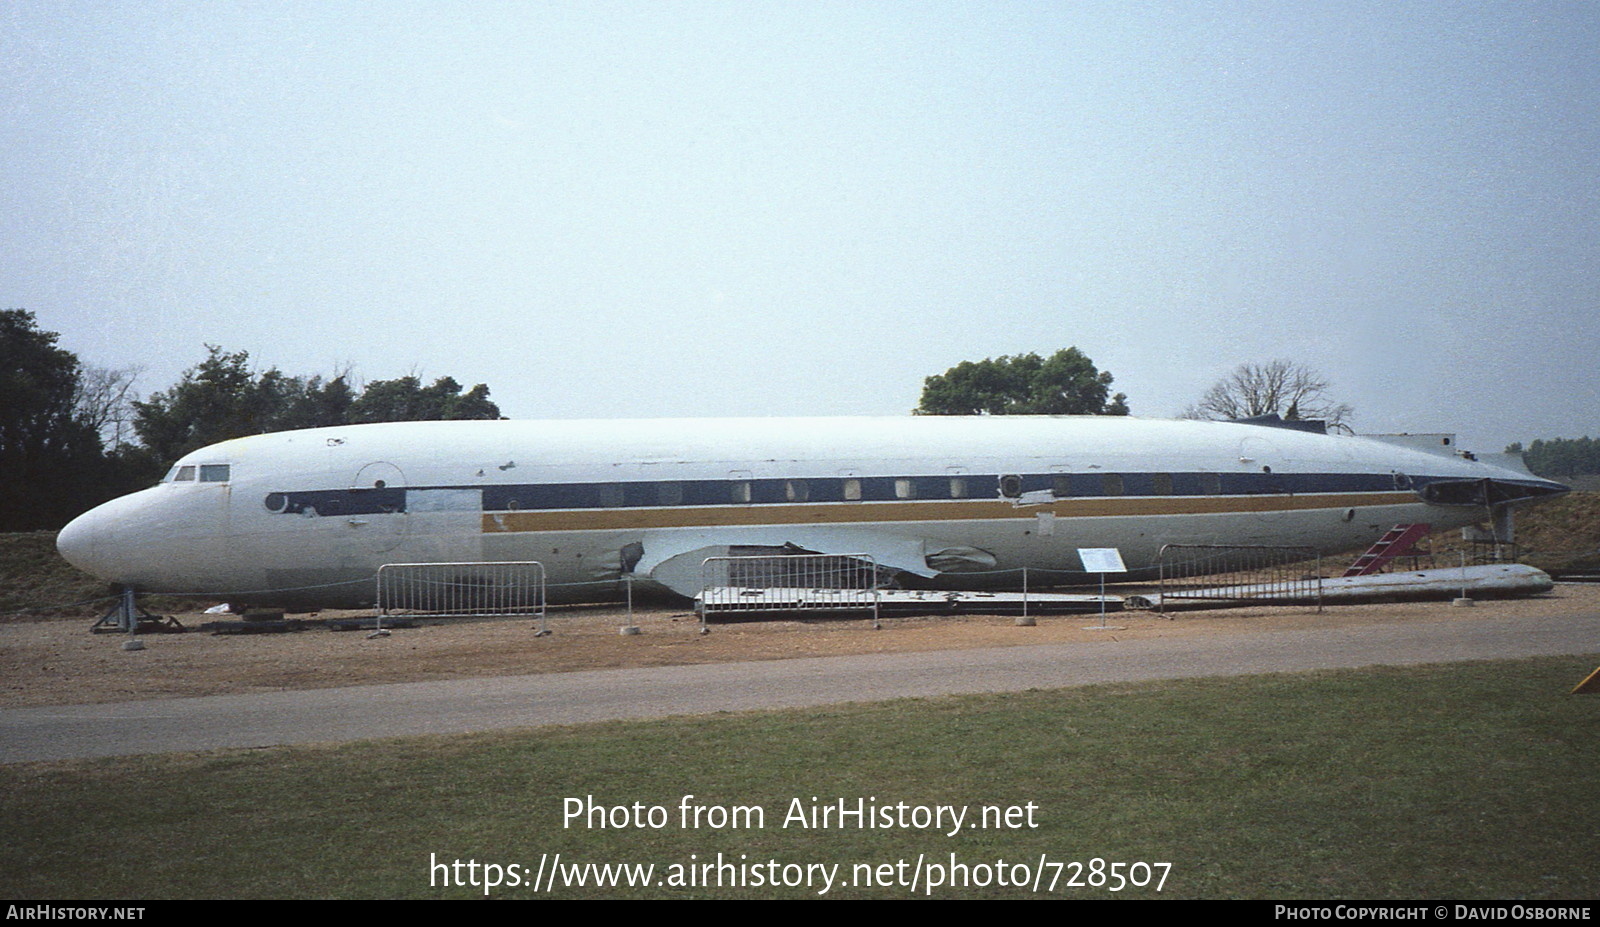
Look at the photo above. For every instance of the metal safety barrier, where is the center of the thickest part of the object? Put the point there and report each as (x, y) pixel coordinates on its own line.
(789, 583)
(457, 590)
(1239, 574)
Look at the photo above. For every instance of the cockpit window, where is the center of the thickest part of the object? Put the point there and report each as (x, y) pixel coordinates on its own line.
(183, 475)
(213, 473)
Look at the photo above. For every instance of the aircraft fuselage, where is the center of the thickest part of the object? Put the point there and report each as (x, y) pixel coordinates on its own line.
(304, 519)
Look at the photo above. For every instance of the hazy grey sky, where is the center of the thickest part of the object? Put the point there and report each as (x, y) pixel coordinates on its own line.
(784, 208)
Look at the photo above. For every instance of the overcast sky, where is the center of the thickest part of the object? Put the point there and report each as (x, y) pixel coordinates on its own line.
(805, 208)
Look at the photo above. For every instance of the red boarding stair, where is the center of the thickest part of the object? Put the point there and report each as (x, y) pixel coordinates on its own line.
(1399, 541)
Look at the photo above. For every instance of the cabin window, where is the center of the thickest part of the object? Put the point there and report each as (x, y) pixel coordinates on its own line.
(611, 495)
(739, 490)
(1210, 484)
(904, 488)
(184, 475)
(214, 473)
(852, 490)
(1161, 484)
(1011, 486)
(669, 493)
(796, 490)
(1061, 485)
(1401, 481)
(276, 502)
(1111, 484)
(958, 487)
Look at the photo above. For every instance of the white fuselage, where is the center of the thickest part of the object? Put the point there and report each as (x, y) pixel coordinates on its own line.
(306, 518)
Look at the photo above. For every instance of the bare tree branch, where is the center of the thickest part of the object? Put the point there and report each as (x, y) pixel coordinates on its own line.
(1291, 390)
(104, 401)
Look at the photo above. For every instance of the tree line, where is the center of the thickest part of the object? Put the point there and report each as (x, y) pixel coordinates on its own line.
(1068, 383)
(73, 435)
(1559, 457)
(222, 398)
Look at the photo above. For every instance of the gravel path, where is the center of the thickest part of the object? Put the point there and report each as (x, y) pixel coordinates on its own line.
(464, 705)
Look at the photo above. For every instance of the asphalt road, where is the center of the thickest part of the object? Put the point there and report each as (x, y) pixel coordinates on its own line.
(458, 706)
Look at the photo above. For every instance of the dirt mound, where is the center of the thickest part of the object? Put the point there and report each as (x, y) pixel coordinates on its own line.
(1570, 524)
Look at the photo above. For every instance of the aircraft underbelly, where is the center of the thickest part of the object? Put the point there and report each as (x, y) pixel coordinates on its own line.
(331, 560)
(587, 565)
(979, 553)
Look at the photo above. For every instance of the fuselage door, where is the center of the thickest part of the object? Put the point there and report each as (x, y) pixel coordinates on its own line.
(375, 506)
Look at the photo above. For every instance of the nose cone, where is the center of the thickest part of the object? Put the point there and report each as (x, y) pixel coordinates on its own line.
(79, 543)
(162, 539)
(106, 541)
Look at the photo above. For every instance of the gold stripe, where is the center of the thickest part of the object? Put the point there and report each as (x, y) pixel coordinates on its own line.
(836, 513)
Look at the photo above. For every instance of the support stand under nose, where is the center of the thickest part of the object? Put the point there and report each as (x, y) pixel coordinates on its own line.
(127, 617)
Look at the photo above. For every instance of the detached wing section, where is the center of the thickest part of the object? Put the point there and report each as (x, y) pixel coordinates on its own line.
(674, 558)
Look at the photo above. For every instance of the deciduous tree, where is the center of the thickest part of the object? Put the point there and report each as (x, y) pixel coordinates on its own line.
(1294, 391)
(217, 399)
(407, 400)
(48, 456)
(1065, 383)
(104, 402)
(222, 398)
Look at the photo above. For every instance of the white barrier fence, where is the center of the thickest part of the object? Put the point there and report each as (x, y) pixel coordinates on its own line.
(789, 583)
(1239, 575)
(456, 590)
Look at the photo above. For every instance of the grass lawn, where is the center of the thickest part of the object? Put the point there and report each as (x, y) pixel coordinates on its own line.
(1452, 781)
